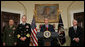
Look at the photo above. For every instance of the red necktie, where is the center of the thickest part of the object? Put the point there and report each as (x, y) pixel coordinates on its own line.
(47, 28)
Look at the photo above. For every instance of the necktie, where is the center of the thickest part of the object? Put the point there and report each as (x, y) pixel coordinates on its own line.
(46, 27)
(75, 29)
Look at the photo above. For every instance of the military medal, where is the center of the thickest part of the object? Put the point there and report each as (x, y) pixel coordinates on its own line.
(14, 28)
(20, 27)
(26, 29)
(13, 32)
(9, 35)
(27, 26)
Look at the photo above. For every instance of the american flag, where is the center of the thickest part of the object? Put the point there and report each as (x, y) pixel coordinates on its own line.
(34, 39)
(61, 29)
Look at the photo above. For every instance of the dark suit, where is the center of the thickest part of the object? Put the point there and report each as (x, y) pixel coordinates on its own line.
(50, 28)
(23, 30)
(73, 34)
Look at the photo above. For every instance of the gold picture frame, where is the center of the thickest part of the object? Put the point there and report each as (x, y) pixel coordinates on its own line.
(46, 10)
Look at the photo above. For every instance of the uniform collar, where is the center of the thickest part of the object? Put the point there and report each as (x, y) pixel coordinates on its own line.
(23, 23)
(11, 26)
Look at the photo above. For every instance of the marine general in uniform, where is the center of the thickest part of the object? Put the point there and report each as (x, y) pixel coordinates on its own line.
(8, 35)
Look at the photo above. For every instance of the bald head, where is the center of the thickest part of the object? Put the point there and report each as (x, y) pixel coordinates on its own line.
(74, 22)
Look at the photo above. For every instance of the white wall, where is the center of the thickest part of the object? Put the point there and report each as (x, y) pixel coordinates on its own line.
(76, 7)
(13, 7)
(67, 13)
(62, 6)
(16, 7)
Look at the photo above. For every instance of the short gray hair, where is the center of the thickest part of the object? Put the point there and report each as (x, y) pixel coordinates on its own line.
(75, 20)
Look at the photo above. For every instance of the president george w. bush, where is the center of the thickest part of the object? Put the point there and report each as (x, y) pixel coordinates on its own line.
(48, 27)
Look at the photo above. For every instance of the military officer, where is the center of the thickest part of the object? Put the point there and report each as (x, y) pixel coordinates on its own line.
(23, 32)
(8, 35)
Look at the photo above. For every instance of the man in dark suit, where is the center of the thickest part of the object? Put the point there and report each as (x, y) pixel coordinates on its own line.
(23, 33)
(48, 27)
(75, 34)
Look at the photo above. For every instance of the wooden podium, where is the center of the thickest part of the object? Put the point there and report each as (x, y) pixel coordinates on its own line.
(43, 41)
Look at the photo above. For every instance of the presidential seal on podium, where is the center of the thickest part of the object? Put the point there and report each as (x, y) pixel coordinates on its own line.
(47, 34)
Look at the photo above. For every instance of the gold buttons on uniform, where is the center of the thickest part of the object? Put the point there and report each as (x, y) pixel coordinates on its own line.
(18, 36)
(28, 35)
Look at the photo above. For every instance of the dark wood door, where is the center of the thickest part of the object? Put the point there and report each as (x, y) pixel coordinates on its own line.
(80, 18)
(7, 15)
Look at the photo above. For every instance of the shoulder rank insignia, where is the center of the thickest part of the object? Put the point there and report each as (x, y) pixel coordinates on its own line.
(28, 35)
(18, 36)
(27, 26)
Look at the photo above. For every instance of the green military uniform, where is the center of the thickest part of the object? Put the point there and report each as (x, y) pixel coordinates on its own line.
(23, 30)
(8, 35)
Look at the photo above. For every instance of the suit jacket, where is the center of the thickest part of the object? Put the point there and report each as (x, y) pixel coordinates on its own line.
(50, 28)
(73, 34)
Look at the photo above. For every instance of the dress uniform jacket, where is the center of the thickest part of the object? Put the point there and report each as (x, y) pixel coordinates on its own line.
(8, 35)
(23, 30)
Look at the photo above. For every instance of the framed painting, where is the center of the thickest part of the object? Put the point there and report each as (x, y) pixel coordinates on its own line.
(46, 10)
